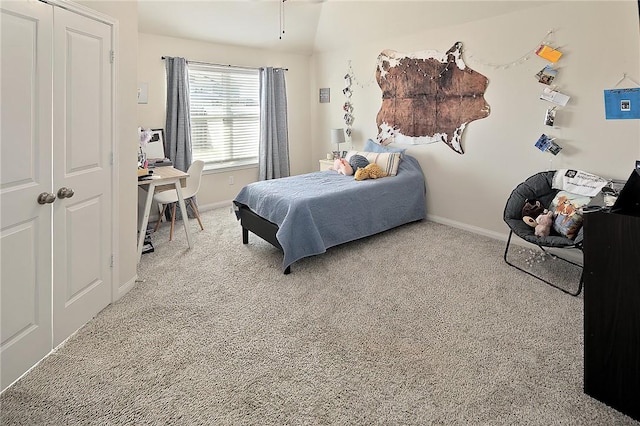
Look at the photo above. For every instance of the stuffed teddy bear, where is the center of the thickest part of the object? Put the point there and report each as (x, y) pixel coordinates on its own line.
(544, 222)
(342, 166)
(532, 208)
(372, 171)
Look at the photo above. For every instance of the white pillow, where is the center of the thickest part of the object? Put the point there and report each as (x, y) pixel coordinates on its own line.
(388, 161)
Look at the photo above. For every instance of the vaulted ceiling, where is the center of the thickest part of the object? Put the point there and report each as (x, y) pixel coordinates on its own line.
(310, 25)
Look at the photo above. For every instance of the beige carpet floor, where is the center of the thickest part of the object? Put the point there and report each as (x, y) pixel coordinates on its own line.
(424, 324)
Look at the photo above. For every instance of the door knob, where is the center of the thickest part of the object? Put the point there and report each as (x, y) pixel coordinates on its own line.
(46, 198)
(65, 192)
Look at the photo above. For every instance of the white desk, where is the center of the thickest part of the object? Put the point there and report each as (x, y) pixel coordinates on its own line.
(169, 178)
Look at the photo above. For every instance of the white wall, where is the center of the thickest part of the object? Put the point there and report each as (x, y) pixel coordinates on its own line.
(600, 41)
(215, 187)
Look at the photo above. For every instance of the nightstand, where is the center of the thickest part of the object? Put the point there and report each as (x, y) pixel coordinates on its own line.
(325, 164)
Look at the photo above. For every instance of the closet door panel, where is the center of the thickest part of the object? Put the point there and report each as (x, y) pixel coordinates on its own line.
(85, 275)
(85, 102)
(82, 126)
(25, 172)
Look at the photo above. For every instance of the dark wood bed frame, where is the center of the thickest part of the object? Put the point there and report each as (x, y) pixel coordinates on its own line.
(251, 221)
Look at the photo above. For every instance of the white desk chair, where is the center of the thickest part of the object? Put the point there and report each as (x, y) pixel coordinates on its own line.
(171, 196)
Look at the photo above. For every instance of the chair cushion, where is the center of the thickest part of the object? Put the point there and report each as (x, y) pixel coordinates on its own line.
(536, 187)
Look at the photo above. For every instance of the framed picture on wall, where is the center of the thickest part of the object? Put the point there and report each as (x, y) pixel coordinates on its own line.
(155, 146)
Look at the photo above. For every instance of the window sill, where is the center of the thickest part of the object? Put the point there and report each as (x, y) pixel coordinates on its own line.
(214, 170)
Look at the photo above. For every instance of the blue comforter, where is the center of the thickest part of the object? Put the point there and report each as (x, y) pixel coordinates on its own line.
(319, 210)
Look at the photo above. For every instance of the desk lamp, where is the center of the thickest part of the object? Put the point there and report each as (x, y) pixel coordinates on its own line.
(337, 137)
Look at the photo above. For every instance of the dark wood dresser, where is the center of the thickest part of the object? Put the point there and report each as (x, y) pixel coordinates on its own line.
(612, 310)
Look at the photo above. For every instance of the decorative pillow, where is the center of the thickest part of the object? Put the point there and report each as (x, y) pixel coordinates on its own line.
(388, 161)
(567, 219)
(371, 146)
(358, 162)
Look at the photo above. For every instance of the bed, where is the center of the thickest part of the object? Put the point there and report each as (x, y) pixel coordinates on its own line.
(304, 215)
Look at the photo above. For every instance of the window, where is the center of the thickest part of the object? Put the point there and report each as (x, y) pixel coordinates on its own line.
(225, 115)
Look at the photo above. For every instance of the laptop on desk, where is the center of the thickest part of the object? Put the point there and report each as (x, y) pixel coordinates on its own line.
(159, 162)
(155, 154)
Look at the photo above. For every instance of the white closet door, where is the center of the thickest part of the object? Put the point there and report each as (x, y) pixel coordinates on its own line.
(25, 172)
(82, 126)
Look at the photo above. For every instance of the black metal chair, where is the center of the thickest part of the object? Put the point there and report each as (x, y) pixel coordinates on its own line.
(538, 187)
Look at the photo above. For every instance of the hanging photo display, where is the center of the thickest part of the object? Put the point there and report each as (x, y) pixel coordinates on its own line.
(546, 76)
(348, 106)
(428, 97)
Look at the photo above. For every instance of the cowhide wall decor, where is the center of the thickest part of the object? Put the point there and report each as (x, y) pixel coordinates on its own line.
(428, 97)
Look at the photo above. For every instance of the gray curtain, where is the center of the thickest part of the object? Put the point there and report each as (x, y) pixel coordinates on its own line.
(274, 137)
(178, 126)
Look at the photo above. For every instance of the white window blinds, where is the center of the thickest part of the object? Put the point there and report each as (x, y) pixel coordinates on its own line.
(225, 115)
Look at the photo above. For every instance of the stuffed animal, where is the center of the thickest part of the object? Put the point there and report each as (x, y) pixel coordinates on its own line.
(544, 222)
(342, 166)
(358, 162)
(532, 208)
(372, 171)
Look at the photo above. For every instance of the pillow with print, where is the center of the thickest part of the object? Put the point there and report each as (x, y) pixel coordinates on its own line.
(567, 216)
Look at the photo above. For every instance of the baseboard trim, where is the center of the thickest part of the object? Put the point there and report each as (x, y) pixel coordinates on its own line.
(467, 227)
(124, 288)
(217, 205)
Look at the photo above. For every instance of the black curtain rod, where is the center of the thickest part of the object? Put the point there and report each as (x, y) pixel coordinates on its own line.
(224, 65)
